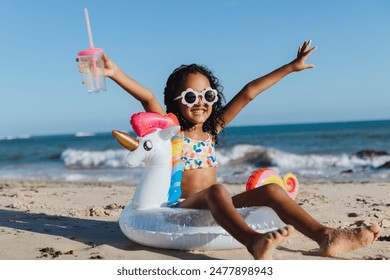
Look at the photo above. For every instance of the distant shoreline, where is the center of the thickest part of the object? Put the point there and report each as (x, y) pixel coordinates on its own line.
(231, 126)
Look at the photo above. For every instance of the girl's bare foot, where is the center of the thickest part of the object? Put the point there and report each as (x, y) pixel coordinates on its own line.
(264, 244)
(337, 241)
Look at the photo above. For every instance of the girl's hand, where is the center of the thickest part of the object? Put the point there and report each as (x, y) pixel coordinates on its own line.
(304, 52)
(110, 68)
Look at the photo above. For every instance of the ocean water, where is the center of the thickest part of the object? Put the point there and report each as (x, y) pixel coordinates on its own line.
(345, 151)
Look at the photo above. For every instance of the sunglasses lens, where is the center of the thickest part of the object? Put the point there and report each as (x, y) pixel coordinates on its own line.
(210, 96)
(190, 97)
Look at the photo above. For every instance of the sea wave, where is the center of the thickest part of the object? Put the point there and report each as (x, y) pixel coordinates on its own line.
(313, 152)
(84, 134)
(242, 155)
(259, 156)
(93, 159)
(15, 137)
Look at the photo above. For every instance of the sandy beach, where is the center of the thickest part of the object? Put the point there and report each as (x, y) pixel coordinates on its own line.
(71, 220)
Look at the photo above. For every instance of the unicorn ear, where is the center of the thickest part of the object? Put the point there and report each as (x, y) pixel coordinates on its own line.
(168, 132)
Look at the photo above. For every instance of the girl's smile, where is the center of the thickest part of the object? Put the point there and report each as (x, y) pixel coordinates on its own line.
(200, 111)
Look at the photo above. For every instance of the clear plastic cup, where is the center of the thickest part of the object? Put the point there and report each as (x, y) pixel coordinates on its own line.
(94, 78)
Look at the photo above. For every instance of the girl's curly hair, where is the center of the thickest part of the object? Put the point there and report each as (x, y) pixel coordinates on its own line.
(175, 85)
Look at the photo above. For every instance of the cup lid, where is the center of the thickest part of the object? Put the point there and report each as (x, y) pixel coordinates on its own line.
(90, 52)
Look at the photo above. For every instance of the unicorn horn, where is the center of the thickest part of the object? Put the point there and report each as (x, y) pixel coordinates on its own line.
(126, 140)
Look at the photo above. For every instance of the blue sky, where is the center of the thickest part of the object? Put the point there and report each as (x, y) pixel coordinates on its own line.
(41, 91)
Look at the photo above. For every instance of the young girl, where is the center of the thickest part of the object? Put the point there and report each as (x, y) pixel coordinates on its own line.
(195, 96)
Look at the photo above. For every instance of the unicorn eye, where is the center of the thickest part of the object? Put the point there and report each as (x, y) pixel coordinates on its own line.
(148, 145)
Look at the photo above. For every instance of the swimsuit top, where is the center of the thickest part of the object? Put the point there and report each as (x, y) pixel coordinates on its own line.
(198, 153)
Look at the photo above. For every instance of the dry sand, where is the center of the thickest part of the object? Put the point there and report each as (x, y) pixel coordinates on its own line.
(71, 220)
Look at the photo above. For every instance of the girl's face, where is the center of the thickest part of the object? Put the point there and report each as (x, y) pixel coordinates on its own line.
(199, 112)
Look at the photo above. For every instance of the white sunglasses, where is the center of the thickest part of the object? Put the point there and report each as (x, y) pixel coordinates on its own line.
(190, 97)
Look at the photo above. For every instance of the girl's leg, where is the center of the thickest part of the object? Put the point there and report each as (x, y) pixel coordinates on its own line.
(218, 200)
(331, 241)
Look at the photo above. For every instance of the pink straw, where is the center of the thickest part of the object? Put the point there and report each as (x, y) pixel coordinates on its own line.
(88, 28)
(91, 46)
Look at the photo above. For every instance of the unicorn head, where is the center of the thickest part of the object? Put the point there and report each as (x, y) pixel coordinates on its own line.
(154, 133)
(154, 149)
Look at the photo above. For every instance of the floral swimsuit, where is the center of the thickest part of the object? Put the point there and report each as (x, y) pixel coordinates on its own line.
(198, 153)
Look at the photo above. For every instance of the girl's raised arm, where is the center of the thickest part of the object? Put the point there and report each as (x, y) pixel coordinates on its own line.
(139, 92)
(257, 86)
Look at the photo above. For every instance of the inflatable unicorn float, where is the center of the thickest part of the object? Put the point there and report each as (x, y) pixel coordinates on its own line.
(148, 219)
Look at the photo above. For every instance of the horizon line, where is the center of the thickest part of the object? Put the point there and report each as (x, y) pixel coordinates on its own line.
(26, 135)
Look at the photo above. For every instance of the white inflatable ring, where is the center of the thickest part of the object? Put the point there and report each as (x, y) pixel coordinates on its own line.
(147, 220)
(189, 229)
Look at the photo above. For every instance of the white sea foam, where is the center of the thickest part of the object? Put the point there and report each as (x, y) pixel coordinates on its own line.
(225, 156)
(236, 163)
(15, 137)
(88, 159)
(243, 156)
(84, 134)
(308, 164)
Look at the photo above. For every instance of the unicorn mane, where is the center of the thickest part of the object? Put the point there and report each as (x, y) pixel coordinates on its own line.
(147, 123)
